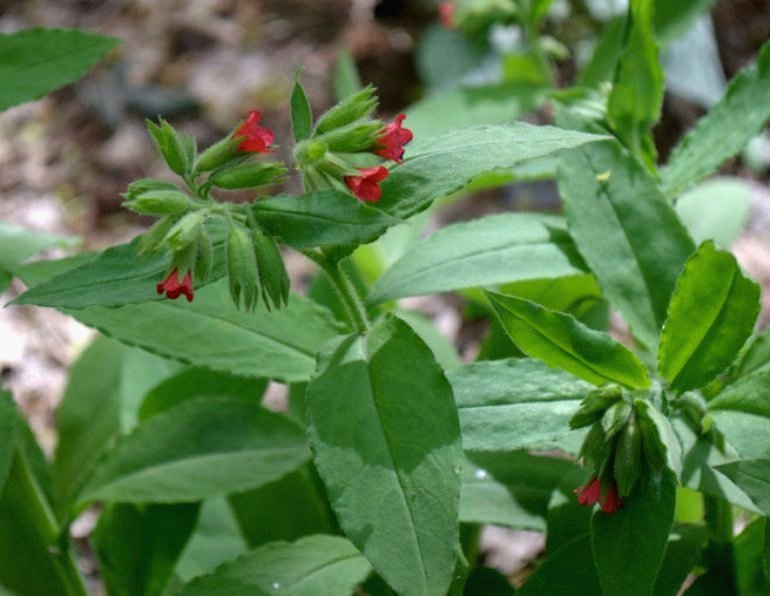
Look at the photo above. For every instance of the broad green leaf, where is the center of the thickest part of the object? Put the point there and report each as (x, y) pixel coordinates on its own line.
(286, 509)
(7, 434)
(756, 356)
(510, 489)
(724, 131)
(637, 91)
(301, 116)
(462, 107)
(753, 476)
(138, 545)
(663, 433)
(711, 315)
(629, 544)
(142, 371)
(560, 340)
(36, 272)
(746, 432)
(436, 167)
(323, 218)
(517, 404)
(203, 448)
(642, 246)
(212, 333)
(748, 394)
(715, 210)
(493, 250)
(36, 61)
(216, 539)
(487, 581)
(18, 244)
(345, 78)
(311, 566)
(683, 552)
(386, 442)
(672, 19)
(442, 347)
(31, 560)
(192, 383)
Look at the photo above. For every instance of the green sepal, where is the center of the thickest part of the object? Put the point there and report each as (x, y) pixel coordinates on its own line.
(249, 175)
(652, 444)
(177, 150)
(628, 457)
(218, 154)
(152, 239)
(350, 109)
(273, 278)
(615, 418)
(159, 202)
(143, 185)
(594, 405)
(596, 450)
(242, 269)
(355, 137)
(184, 260)
(205, 258)
(184, 232)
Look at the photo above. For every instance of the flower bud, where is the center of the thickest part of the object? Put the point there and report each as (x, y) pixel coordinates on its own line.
(248, 175)
(596, 449)
(177, 150)
(159, 202)
(143, 185)
(353, 138)
(242, 268)
(218, 154)
(273, 278)
(205, 256)
(309, 153)
(653, 447)
(152, 239)
(628, 464)
(352, 108)
(184, 232)
(594, 405)
(615, 418)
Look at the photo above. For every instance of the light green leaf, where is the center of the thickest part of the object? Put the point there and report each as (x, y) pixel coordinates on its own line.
(715, 210)
(711, 315)
(36, 61)
(560, 340)
(605, 56)
(672, 19)
(493, 250)
(629, 544)
(18, 244)
(436, 167)
(746, 432)
(724, 131)
(212, 333)
(756, 356)
(753, 476)
(637, 91)
(200, 449)
(441, 346)
(346, 78)
(517, 404)
(748, 394)
(663, 433)
(311, 566)
(386, 442)
(642, 246)
(301, 116)
(138, 545)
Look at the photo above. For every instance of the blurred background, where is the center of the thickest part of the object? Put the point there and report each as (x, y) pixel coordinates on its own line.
(201, 64)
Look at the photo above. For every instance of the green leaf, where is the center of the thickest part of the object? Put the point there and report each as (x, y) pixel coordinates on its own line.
(753, 476)
(7, 434)
(488, 251)
(637, 91)
(301, 116)
(346, 79)
(324, 218)
(672, 19)
(629, 544)
(662, 432)
(510, 489)
(517, 404)
(716, 210)
(200, 449)
(138, 545)
(683, 552)
(212, 333)
(386, 442)
(746, 432)
(199, 382)
(36, 61)
(560, 340)
(756, 356)
(725, 130)
(436, 167)
(441, 346)
(18, 244)
(311, 566)
(642, 246)
(711, 315)
(605, 56)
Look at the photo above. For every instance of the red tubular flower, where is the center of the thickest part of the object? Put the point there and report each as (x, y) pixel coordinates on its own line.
(394, 137)
(173, 289)
(365, 186)
(591, 493)
(446, 14)
(255, 138)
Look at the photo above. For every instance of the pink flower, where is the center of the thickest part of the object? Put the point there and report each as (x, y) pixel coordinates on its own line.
(173, 289)
(394, 137)
(255, 138)
(591, 493)
(365, 186)
(446, 14)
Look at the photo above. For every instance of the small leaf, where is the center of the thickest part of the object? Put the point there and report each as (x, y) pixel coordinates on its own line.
(753, 476)
(660, 443)
(301, 116)
(200, 449)
(712, 314)
(488, 251)
(748, 394)
(345, 78)
(313, 565)
(7, 434)
(560, 340)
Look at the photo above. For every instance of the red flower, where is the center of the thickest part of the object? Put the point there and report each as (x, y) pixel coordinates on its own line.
(591, 493)
(173, 289)
(365, 186)
(394, 137)
(255, 138)
(446, 14)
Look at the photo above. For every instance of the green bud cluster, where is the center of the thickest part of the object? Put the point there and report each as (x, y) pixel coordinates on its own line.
(624, 443)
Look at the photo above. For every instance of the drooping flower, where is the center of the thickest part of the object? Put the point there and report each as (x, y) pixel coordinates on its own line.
(173, 289)
(394, 137)
(364, 186)
(591, 493)
(446, 14)
(255, 138)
